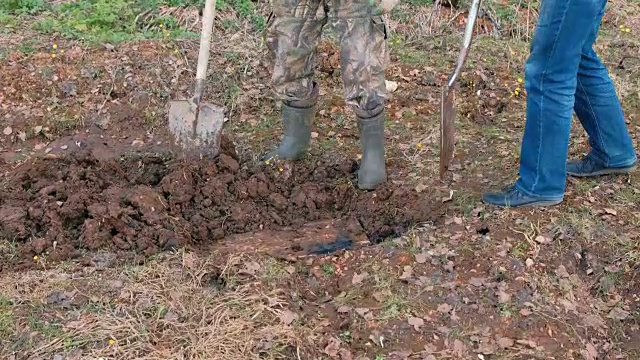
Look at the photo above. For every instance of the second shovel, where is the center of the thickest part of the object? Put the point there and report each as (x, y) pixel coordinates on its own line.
(447, 110)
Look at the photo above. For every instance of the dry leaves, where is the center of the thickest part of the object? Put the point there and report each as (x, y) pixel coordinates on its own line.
(505, 342)
(358, 278)
(421, 258)
(445, 308)
(590, 353)
(618, 314)
(477, 282)
(407, 273)
(543, 240)
(416, 322)
(288, 317)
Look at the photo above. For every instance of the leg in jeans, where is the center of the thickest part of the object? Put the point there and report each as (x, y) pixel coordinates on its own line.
(292, 37)
(599, 110)
(550, 79)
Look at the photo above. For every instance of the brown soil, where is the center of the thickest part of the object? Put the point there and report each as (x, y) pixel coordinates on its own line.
(146, 203)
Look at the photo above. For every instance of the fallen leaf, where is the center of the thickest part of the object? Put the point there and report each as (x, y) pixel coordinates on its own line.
(590, 353)
(611, 212)
(444, 308)
(22, 136)
(314, 135)
(37, 129)
(344, 309)
(345, 354)
(416, 322)
(529, 262)
(332, 347)
(7, 131)
(391, 85)
(251, 268)
(562, 272)
(618, 314)
(420, 188)
(525, 312)
(505, 342)
(543, 240)
(421, 258)
(477, 282)
(458, 348)
(568, 305)
(399, 355)
(288, 317)
(407, 273)
(503, 297)
(364, 312)
(358, 278)
(379, 296)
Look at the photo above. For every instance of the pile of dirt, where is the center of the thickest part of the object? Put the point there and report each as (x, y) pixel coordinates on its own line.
(144, 204)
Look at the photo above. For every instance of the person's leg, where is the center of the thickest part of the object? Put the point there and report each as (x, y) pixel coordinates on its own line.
(292, 37)
(600, 113)
(364, 58)
(550, 79)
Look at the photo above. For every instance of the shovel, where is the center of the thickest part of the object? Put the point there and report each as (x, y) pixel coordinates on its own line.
(447, 112)
(197, 126)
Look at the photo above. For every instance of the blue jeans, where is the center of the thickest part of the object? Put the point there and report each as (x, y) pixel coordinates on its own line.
(563, 74)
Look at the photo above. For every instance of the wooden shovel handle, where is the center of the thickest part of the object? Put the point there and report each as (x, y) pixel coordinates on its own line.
(208, 15)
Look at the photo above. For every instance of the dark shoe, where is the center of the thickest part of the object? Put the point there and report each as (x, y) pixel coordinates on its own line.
(372, 170)
(589, 166)
(512, 197)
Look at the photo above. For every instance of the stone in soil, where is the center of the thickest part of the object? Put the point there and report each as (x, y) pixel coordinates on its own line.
(144, 204)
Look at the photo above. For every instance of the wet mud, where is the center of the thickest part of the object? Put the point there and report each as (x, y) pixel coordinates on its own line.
(139, 205)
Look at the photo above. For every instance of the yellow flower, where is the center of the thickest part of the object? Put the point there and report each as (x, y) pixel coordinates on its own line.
(160, 25)
(55, 46)
(359, 156)
(35, 257)
(627, 30)
(419, 145)
(53, 55)
(520, 80)
(111, 341)
(176, 51)
(267, 162)
(281, 169)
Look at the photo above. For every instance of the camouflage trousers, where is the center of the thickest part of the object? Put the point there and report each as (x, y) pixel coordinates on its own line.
(292, 34)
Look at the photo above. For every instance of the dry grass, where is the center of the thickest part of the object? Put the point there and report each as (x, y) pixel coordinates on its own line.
(174, 308)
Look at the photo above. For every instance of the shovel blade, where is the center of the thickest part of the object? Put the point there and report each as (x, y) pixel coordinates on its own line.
(447, 129)
(197, 129)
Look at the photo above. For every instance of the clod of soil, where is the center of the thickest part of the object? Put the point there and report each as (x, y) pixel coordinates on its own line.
(148, 203)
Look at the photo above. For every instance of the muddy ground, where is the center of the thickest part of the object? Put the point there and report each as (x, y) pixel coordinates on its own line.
(115, 246)
(142, 204)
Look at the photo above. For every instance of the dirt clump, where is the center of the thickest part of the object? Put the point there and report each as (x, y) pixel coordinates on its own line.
(144, 204)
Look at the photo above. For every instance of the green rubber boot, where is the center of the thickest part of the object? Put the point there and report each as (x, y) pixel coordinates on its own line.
(297, 120)
(297, 124)
(372, 170)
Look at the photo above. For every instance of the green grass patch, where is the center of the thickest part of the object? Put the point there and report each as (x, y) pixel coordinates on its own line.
(113, 21)
(6, 318)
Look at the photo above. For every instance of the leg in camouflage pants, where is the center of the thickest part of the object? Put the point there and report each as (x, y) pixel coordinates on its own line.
(292, 36)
